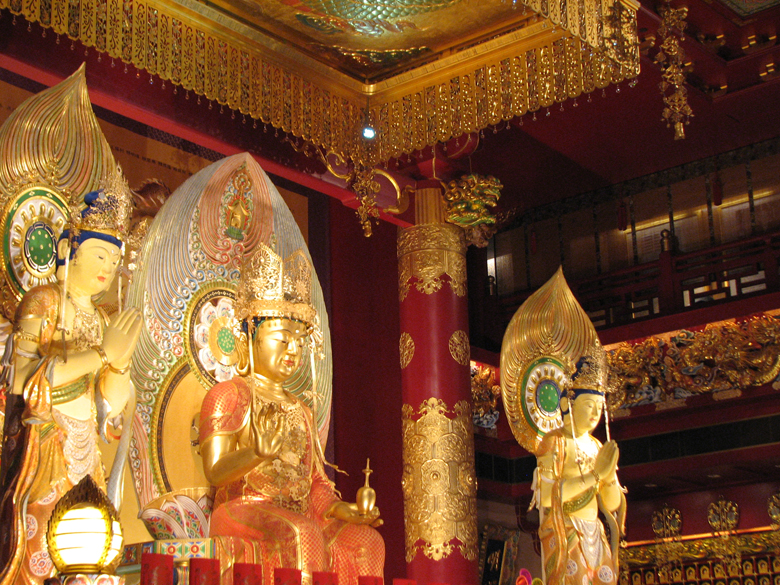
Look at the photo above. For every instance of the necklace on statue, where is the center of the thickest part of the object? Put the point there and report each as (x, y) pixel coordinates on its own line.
(86, 328)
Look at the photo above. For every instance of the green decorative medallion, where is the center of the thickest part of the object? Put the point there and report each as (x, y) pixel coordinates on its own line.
(541, 394)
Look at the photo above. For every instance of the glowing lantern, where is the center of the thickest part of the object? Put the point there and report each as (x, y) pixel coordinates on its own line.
(84, 534)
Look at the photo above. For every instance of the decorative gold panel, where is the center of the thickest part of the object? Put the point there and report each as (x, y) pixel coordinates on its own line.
(721, 358)
(460, 349)
(406, 347)
(439, 483)
(575, 47)
(426, 253)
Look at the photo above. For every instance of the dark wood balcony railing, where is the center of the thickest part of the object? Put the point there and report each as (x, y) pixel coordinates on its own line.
(676, 282)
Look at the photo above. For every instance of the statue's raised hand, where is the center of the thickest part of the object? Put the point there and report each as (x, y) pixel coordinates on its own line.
(266, 430)
(121, 336)
(605, 465)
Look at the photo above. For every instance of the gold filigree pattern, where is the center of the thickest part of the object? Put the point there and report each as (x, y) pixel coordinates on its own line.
(426, 253)
(671, 58)
(520, 72)
(459, 347)
(406, 347)
(439, 483)
(720, 358)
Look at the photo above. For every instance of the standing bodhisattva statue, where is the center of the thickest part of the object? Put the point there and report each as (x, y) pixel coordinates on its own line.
(69, 369)
(554, 378)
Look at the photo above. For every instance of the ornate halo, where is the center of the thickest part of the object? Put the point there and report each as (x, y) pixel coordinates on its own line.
(541, 396)
(32, 224)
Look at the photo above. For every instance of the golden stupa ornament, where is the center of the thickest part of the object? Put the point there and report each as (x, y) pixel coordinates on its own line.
(546, 337)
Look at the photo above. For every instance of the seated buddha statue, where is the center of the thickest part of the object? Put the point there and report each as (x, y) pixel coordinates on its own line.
(65, 363)
(260, 445)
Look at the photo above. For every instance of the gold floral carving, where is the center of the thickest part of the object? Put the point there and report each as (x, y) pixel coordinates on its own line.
(460, 350)
(427, 253)
(406, 347)
(439, 483)
(720, 359)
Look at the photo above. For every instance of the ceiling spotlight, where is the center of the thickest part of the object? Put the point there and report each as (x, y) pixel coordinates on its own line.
(713, 475)
(368, 132)
(651, 485)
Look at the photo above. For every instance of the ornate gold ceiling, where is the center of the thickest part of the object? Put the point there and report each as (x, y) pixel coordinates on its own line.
(432, 69)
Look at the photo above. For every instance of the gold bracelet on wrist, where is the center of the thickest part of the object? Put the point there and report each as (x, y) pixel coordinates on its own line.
(102, 354)
(595, 476)
(118, 371)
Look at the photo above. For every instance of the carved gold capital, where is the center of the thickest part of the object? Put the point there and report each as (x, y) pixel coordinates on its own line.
(428, 252)
(439, 483)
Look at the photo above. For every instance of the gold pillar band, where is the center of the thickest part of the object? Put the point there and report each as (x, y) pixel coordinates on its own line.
(428, 252)
(439, 483)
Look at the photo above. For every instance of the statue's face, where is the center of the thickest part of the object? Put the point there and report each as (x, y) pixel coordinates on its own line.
(94, 266)
(277, 348)
(586, 410)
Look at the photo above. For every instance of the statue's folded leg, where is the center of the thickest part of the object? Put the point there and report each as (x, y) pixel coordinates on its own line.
(287, 539)
(354, 550)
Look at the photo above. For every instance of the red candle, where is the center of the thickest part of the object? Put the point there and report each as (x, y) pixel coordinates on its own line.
(368, 580)
(249, 574)
(287, 576)
(204, 571)
(156, 569)
(323, 578)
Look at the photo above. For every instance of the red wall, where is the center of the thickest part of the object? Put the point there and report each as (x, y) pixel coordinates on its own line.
(366, 371)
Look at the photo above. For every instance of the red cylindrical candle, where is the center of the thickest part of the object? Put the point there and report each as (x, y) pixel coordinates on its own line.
(369, 580)
(248, 574)
(156, 569)
(204, 571)
(287, 576)
(323, 578)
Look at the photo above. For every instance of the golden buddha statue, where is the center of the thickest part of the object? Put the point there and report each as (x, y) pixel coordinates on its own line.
(67, 366)
(259, 442)
(554, 380)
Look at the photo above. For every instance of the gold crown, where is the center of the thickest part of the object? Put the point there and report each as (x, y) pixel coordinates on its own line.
(591, 371)
(107, 210)
(272, 287)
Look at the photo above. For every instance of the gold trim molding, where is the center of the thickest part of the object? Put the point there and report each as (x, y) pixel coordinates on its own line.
(577, 46)
(439, 482)
(706, 548)
(428, 252)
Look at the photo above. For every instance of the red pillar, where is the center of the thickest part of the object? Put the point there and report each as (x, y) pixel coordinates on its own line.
(439, 483)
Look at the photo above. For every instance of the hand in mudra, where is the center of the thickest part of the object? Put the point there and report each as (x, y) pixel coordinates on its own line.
(121, 336)
(605, 465)
(266, 430)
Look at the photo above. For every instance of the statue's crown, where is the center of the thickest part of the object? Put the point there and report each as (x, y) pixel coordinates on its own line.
(591, 371)
(106, 210)
(272, 287)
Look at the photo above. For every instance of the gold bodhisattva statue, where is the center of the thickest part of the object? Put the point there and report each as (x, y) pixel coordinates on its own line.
(554, 380)
(69, 363)
(260, 445)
